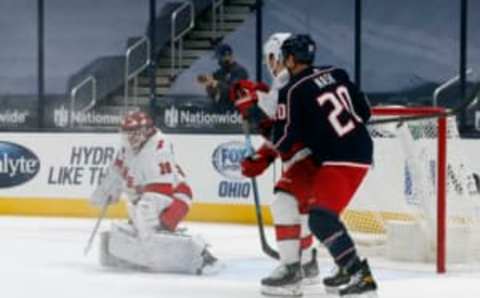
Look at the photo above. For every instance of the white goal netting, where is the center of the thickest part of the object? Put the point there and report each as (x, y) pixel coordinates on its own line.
(397, 206)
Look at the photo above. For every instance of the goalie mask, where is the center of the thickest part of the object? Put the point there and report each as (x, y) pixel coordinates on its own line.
(273, 53)
(136, 129)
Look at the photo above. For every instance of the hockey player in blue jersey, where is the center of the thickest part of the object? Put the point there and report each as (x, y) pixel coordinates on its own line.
(322, 114)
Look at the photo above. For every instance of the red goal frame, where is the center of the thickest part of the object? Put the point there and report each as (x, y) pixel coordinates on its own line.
(436, 113)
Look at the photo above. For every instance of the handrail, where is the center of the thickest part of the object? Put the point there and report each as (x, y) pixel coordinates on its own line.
(446, 85)
(218, 5)
(129, 75)
(73, 97)
(174, 37)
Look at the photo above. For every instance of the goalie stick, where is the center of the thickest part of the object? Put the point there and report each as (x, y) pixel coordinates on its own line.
(266, 248)
(103, 212)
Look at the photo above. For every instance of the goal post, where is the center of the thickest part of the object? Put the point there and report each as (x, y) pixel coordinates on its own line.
(441, 171)
(417, 190)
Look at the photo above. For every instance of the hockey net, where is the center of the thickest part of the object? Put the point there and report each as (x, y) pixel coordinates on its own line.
(420, 201)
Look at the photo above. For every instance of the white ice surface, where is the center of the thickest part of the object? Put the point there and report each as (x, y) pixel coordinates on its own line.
(44, 258)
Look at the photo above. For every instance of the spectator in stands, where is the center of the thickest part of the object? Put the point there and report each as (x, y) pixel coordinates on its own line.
(218, 83)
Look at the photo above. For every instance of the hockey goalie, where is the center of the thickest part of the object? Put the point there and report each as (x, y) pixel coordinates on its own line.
(157, 197)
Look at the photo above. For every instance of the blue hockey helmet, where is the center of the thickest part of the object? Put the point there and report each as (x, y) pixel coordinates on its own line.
(301, 47)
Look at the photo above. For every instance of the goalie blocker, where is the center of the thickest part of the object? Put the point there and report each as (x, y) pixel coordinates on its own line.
(158, 199)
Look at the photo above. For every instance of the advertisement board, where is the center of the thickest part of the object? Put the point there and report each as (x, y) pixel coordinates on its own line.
(55, 174)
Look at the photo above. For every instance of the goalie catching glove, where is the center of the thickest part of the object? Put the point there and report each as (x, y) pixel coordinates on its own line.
(109, 189)
(257, 163)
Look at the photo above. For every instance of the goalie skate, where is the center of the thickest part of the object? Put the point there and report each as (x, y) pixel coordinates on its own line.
(285, 281)
(211, 265)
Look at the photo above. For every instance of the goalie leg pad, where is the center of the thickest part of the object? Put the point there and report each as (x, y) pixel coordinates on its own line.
(162, 252)
(147, 213)
(107, 259)
(287, 227)
(328, 228)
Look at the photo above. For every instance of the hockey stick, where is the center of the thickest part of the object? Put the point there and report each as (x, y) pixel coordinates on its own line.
(266, 248)
(470, 100)
(103, 212)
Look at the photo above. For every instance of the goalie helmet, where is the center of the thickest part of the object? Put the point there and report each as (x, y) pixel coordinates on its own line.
(137, 128)
(273, 53)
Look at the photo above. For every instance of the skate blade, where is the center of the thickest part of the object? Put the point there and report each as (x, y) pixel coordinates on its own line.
(213, 269)
(332, 290)
(286, 291)
(370, 294)
(311, 281)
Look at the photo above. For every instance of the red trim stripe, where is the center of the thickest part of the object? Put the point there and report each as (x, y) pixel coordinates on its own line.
(183, 188)
(284, 232)
(162, 188)
(306, 242)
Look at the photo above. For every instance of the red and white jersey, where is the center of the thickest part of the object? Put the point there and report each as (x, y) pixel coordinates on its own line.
(268, 101)
(153, 169)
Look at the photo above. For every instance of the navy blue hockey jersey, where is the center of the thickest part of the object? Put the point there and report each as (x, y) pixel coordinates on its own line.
(323, 110)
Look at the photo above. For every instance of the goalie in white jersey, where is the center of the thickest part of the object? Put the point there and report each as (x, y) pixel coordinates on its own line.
(158, 199)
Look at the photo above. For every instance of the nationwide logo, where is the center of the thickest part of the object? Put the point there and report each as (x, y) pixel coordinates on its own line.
(226, 159)
(171, 117)
(174, 117)
(13, 117)
(17, 164)
(61, 117)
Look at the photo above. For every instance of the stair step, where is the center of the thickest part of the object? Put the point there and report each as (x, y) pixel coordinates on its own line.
(242, 2)
(227, 26)
(161, 81)
(232, 16)
(166, 64)
(206, 34)
(139, 100)
(187, 53)
(164, 72)
(197, 44)
(185, 60)
(145, 91)
(236, 9)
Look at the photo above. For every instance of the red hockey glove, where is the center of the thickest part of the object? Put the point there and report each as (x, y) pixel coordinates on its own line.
(244, 95)
(171, 217)
(257, 163)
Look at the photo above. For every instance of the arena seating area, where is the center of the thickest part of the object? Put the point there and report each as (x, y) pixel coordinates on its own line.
(405, 55)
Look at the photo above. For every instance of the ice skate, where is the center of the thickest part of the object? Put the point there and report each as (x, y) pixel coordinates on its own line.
(334, 282)
(285, 280)
(211, 265)
(310, 270)
(362, 284)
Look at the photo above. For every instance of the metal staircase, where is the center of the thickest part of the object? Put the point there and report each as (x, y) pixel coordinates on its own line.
(200, 39)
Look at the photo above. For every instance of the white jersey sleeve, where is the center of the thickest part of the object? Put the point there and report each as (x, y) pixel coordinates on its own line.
(267, 101)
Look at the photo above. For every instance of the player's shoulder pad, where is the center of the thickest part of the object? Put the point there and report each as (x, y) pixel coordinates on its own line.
(341, 75)
(159, 144)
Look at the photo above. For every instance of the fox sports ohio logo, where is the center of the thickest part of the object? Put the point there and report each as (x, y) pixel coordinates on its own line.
(226, 159)
(17, 164)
